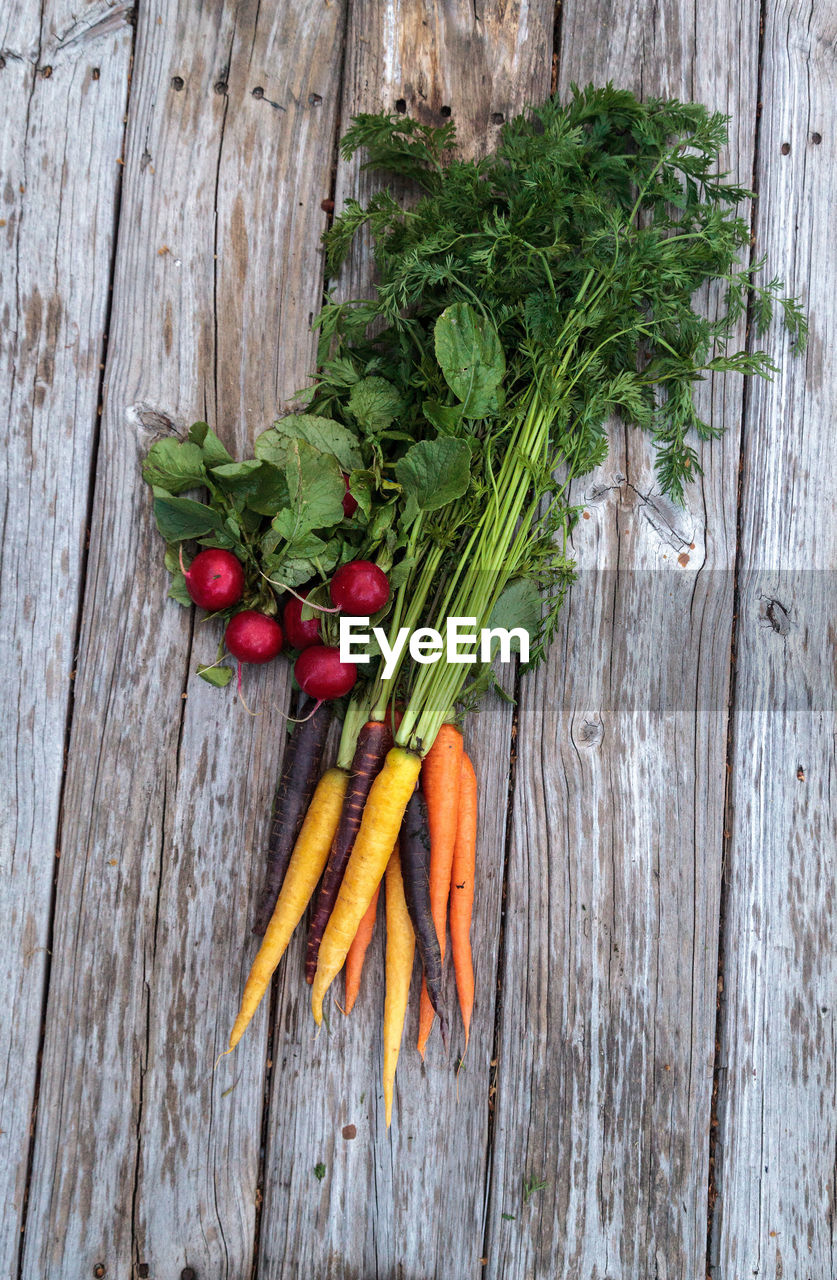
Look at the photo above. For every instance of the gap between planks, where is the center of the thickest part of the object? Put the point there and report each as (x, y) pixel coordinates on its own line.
(712, 1190)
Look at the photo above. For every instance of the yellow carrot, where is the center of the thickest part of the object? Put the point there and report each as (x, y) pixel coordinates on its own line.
(308, 859)
(401, 946)
(378, 832)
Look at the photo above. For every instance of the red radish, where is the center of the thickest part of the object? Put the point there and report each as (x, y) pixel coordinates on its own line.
(320, 673)
(214, 579)
(360, 588)
(349, 501)
(299, 632)
(253, 637)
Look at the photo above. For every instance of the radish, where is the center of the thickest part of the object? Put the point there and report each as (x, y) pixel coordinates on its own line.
(360, 588)
(253, 637)
(349, 501)
(320, 673)
(214, 579)
(299, 632)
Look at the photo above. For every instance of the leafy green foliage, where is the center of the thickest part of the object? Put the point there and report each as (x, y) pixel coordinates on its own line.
(280, 512)
(174, 465)
(180, 518)
(584, 239)
(324, 434)
(524, 300)
(470, 357)
(433, 473)
(374, 403)
(597, 265)
(218, 676)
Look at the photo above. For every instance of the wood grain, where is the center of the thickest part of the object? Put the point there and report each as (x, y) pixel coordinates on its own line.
(409, 1202)
(61, 78)
(145, 1157)
(608, 999)
(777, 1104)
(590, 1068)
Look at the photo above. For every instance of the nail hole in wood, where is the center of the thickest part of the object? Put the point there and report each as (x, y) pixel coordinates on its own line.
(258, 92)
(400, 105)
(497, 117)
(177, 83)
(142, 1270)
(99, 1270)
(221, 87)
(95, 73)
(46, 72)
(314, 99)
(816, 138)
(444, 111)
(188, 1273)
(785, 148)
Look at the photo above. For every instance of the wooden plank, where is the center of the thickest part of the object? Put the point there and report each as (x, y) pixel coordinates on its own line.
(608, 987)
(147, 1159)
(380, 1207)
(775, 1170)
(63, 84)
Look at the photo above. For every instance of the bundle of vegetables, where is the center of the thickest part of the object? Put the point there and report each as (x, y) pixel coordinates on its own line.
(522, 300)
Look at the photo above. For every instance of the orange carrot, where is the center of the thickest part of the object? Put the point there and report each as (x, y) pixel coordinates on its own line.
(440, 776)
(357, 952)
(462, 891)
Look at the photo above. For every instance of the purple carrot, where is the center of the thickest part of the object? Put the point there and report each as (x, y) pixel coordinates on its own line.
(373, 742)
(414, 843)
(300, 770)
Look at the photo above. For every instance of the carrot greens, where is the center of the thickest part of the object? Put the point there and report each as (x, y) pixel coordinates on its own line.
(524, 299)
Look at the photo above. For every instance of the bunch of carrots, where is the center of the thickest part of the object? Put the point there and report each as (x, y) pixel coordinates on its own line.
(523, 300)
(428, 871)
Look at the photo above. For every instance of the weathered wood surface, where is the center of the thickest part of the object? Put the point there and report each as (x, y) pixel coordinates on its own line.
(405, 1202)
(775, 1158)
(63, 86)
(608, 1006)
(143, 1159)
(605, 947)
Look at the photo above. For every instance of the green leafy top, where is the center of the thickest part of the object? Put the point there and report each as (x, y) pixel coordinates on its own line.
(523, 300)
(588, 232)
